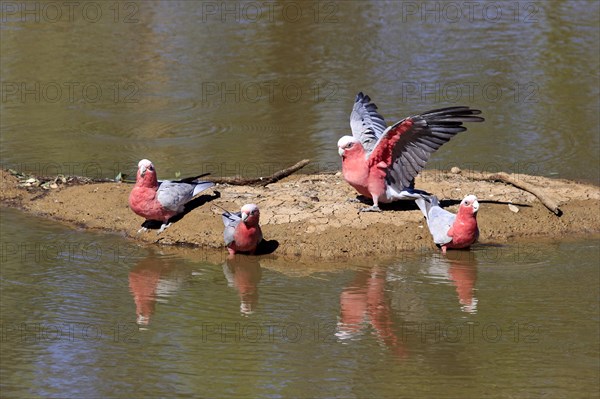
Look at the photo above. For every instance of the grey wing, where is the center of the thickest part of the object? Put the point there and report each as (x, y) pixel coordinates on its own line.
(439, 222)
(173, 196)
(230, 220)
(366, 123)
(429, 131)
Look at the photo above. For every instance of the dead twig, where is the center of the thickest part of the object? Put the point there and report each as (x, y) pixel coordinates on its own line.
(548, 202)
(261, 181)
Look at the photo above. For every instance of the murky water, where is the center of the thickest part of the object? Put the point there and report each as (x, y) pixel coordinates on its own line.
(89, 315)
(246, 88)
(250, 88)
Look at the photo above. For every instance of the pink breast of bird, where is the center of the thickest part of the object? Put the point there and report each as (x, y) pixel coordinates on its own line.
(143, 202)
(246, 238)
(377, 173)
(356, 173)
(464, 232)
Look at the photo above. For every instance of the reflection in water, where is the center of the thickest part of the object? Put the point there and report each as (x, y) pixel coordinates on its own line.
(152, 280)
(244, 272)
(364, 303)
(392, 312)
(459, 267)
(65, 322)
(464, 275)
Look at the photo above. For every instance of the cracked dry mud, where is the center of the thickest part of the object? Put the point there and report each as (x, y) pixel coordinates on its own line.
(310, 215)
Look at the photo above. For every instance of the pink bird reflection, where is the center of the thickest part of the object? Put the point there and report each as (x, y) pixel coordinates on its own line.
(151, 280)
(244, 273)
(364, 303)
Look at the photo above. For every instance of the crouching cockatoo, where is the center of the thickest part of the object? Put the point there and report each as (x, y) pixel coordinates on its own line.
(450, 230)
(242, 232)
(381, 162)
(161, 200)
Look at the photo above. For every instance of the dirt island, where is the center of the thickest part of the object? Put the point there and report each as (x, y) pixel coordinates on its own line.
(310, 215)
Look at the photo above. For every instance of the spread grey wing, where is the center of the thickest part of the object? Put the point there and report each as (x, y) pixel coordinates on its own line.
(429, 131)
(366, 123)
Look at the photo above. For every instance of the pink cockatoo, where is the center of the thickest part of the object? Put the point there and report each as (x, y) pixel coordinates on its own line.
(450, 230)
(242, 232)
(381, 162)
(161, 200)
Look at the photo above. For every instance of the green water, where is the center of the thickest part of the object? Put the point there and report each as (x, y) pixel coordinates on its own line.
(90, 315)
(248, 88)
(243, 90)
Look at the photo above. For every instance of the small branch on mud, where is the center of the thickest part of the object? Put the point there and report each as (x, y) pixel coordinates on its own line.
(548, 202)
(261, 181)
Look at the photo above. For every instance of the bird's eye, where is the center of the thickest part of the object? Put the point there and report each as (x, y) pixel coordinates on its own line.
(349, 145)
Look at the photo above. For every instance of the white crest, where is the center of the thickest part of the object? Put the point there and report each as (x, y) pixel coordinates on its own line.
(144, 163)
(345, 140)
(249, 208)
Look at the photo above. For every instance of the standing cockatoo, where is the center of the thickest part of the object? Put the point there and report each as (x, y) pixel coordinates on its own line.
(242, 232)
(381, 162)
(162, 200)
(450, 230)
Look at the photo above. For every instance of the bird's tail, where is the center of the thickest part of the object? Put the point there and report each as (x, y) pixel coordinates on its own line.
(227, 218)
(191, 180)
(426, 202)
(201, 186)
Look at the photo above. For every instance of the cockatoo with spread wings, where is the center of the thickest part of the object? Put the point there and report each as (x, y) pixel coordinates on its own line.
(381, 162)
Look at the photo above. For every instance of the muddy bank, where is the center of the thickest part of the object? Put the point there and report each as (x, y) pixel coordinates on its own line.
(308, 215)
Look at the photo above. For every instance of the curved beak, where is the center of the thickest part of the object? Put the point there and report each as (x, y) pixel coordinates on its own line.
(142, 171)
(475, 206)
(341, 151)
(244, 216)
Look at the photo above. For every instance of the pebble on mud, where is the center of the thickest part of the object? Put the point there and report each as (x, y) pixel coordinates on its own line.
(455, 170)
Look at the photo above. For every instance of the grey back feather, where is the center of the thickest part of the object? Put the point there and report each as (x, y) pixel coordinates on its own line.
(230, 220)
(439, 220)
(174, 195)
(366, 123)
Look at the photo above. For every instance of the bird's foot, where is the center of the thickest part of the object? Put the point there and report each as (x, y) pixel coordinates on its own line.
(373, 208)
(163, 228)
(142, 230)
(353, 200)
